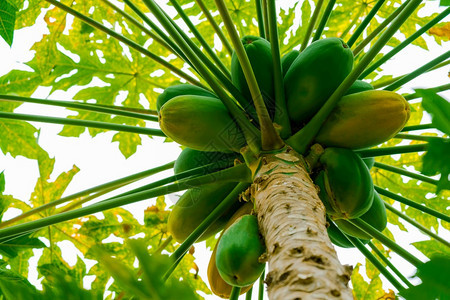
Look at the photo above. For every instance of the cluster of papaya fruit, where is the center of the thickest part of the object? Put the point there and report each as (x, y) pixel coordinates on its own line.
(197, 119)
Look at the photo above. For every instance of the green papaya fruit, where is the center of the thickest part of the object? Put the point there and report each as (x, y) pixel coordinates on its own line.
(259, 54)
(194, 206)
(369, 161)
(238, 251)
(346, 187)
(338, 238)
(218, 286)
(191, 159)
(364, 119)
(375, 216)
(288, 59)
(359, 86)
(180, 90)
(201, 123)
(314, 75)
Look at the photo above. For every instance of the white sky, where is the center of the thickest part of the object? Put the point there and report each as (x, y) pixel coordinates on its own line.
(100, 160)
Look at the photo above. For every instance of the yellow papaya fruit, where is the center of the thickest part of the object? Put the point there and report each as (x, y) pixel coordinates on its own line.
(364, 119)
(201, 123)
(218, 286)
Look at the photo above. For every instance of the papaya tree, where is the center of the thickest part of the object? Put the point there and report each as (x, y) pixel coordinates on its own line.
(296, 140)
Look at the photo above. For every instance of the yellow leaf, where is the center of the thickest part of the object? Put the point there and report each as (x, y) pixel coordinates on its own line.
(442, 31)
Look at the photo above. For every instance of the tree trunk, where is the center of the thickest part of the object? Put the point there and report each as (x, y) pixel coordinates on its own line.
(302, 261)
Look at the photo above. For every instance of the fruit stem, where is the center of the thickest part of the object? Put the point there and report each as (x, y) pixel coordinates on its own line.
(235, 291)
(311, 24)
(380, 27)
(364, 23)
(233, 174)
(136, 23)
(252, 134)
(126, 41)
(248, 295)
(261, 286)
(426, 67)
(406, 173)
(270, 140)
(226, 203)
(301, 140)
(417, 225)
(324, 20)
(262, 33)
(216, 27)
(358, 244)
(387, 82)
(200, 38)
(405, 43)
(389, 264)
(370, 230)
(436, 89)
(83, 123)
(281, 114)
(392, 150)
(417, 127)
(413, 204)
(112, 184)
(83, 106)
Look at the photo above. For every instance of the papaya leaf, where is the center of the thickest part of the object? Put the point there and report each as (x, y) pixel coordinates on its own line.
(431, 247)
(363, 290)
(436, 161)
(7, 20)
(434, 275)
(18, 138)
(441, 31)
(438, 107)
(15, 286)
(2, 183)
(11, 248)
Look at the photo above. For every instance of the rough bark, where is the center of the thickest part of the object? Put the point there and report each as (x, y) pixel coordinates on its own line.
(302, 261)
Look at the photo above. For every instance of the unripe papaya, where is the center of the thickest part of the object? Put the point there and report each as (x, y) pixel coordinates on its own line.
(346, 187)
(194, 206)
(201, 123)
(180, 90)
(288, 59)
(338, 238)
(191, 159)
(259, 54)
(314, 75)
(375, 216)
(364, 119)
(238, 252)
(218, 286)
(359, 86)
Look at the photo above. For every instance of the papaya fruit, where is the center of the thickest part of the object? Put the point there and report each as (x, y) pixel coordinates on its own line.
(201, 123)
(375, 216)
(314, 75)
(369, 161)
(180, 90)
(287, 60)
(259, 54)
(338, 238)
(359, 86)
(194, 206)
(346, 187)
(191, 159)
(364, 119)
(238, 251)
(197, 203)
(218, 286)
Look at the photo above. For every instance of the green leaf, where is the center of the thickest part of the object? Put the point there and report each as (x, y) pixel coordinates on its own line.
(2, 182)
(431, 248)
(11, 248)
(438, 108)
(15, 286)
(436, 161)
(366, 291)
(7, 21)
(434, 275)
